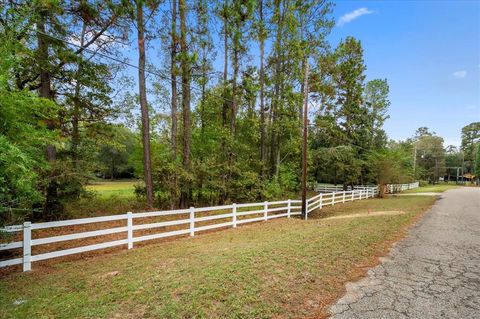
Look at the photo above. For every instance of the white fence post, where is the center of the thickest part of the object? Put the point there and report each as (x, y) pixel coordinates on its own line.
(321, 201)
(289, 204)
(265, 211)
(234, 212)
(130, 230)
(343, 199)
(27, 246)
(333, 198)
(192, 221)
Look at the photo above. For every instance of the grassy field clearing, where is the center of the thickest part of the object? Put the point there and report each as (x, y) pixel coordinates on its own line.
(283, 268)
(438, 188)
(105, 189)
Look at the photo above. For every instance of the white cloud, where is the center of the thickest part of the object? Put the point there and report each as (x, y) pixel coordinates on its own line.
(460, 74)
(349, 17)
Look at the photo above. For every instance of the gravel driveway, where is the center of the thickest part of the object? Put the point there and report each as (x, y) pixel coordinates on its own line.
(433, 273)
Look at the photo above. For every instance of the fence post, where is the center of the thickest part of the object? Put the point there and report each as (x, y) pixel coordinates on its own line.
(130, 230)
(321, 201)
(265, 211)
(27, 246)
(343, 199)
(333, 198)
(234, 212)
(289, 204)
(192, 221)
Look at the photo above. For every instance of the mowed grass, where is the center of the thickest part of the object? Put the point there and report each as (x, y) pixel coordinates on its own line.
(106, 189)
(438, 188)
(283, 268)
(392, 203)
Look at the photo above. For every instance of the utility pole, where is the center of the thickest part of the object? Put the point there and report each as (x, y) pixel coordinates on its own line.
(414, 158)
(304, 145)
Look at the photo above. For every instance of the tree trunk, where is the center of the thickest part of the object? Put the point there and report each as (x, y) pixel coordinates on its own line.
(274, 142)
(225, 104)
(144, 107)
(173, 75)
(233, 110)
(185, 96)
(263, 155)
(52, 204)
(173, 59)
(302, 89)
(304, 62)
(204, 84)
(305, 142)
(225, 65)
(77, 106)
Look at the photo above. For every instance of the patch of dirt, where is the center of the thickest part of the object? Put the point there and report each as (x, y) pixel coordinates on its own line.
(367, 214)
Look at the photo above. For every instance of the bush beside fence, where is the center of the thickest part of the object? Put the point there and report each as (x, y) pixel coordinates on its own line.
(226, 216)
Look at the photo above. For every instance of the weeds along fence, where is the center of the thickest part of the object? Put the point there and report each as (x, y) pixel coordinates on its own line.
(130, 228)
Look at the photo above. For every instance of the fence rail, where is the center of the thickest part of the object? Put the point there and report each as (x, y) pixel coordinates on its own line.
(226, 216)
(391, 188)
(396, 188)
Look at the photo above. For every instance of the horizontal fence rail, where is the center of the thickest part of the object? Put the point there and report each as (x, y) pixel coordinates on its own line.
(191, 219)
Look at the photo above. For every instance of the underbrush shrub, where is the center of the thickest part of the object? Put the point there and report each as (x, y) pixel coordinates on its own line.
(423, 183)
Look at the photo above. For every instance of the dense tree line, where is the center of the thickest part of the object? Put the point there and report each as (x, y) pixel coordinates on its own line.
(195, 135)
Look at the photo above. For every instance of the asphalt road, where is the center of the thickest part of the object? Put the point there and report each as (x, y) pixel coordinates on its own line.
(433, 273)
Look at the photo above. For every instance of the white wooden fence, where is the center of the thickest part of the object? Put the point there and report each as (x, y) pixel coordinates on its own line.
(327, 188)
(391, 188)
(396, 188)
(227, 216)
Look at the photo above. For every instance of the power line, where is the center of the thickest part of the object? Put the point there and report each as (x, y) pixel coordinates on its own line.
(163, 76)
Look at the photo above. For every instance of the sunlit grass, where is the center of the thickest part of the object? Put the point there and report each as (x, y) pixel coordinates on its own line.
(107, 189)
(438, 188)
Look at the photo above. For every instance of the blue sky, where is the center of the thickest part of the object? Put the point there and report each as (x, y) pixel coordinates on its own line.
(430, 53)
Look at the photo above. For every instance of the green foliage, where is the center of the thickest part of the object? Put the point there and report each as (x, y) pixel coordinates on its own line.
(391, 166)
(470, 142)
(116, 145)
(350, 128)
(23, 136)
(18, 182)
(430, 157)
(236, 152)
(477, 164)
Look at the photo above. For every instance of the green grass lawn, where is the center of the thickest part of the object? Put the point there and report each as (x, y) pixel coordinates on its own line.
(284, 268)
(438, 188)
(106, 189)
